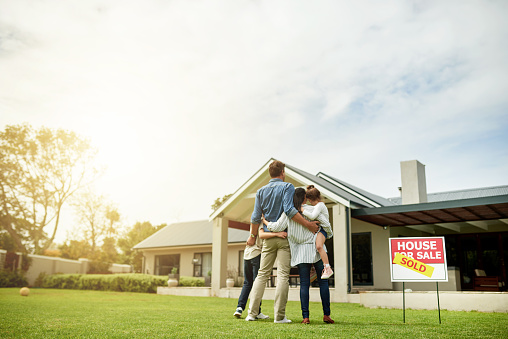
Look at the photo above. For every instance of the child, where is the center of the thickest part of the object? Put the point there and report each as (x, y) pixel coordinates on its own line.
(314, 197)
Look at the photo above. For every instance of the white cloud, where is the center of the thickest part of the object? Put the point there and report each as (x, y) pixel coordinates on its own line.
(187, 99)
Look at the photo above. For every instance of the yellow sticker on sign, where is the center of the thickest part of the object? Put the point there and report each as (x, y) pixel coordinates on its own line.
(413, 264)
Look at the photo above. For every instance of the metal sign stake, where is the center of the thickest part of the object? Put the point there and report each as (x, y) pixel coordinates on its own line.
(438, 308)
(403, 302)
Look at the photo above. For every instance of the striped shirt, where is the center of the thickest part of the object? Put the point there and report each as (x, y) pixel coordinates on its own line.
(302, 242)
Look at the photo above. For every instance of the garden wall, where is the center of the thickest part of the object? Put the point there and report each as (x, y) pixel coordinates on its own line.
(51, 265)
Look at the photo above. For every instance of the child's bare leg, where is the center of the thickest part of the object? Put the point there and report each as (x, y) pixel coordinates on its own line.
(320, 240)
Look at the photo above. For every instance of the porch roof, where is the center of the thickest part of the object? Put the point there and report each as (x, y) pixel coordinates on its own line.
(450, 211)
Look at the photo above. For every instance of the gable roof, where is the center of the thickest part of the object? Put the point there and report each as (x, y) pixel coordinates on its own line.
(360, 196)
(188, 234)
(332, 189)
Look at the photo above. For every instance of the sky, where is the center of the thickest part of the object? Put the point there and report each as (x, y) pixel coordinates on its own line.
(186, 100)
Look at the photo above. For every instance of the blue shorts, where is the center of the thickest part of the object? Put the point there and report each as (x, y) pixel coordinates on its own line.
(323, 232)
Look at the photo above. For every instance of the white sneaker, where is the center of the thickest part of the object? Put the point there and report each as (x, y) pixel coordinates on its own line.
(238, 312)
(283, 321)
(249, 318)
(327, 273)
(262, 316)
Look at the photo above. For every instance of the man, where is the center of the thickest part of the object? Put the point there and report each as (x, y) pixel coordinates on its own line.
(271, 200)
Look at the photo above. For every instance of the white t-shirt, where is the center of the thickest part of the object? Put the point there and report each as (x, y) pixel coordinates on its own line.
(253, 251)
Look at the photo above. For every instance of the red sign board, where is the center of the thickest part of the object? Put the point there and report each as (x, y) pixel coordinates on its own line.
(418, 259)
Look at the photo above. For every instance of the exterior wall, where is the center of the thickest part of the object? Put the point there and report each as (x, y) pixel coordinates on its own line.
(52, 265)
(219, 254)
(452, 301)
(453, 283)
(340, 219)
(186, 256)
(380, 253)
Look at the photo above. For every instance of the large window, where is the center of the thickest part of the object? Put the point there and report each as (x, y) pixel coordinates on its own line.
(202, 264)
(362, 259)
(165, 263)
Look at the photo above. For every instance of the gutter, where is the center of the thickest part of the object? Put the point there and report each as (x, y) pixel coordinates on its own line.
(348, 250)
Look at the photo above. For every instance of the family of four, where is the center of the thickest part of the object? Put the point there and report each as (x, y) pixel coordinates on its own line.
(285, 229)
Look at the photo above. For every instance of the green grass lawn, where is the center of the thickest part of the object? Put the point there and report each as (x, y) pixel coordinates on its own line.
(70, 313)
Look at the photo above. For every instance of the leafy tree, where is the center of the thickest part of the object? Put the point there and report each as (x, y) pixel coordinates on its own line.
(39, 170)
(108, 249)
(218, 202)
(139, 232)
(75, 249)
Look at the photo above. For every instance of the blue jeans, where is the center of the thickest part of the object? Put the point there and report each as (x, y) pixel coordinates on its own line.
(250, 272)
(324, 291)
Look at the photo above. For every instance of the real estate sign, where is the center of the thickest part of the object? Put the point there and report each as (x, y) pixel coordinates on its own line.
(418, 259)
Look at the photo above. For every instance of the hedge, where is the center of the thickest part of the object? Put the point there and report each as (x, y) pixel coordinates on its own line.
(12, 279)
(191, 281)
(105, 282)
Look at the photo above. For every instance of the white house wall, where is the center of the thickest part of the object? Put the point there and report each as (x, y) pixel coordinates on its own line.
(380, 252)
(186, 256)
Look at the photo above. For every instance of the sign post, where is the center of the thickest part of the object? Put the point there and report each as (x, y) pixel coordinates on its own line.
(418, 260)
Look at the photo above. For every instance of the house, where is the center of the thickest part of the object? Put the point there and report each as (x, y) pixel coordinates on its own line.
(474, 223)
(187, 246)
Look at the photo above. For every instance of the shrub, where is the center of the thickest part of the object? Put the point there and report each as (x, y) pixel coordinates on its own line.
(39, 282)
(12, 279)
(191, 281)
(106, 282)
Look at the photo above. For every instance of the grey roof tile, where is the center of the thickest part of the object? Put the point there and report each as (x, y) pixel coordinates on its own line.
(470, 193)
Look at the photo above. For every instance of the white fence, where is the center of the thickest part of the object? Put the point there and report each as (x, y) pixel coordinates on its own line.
(51, 265)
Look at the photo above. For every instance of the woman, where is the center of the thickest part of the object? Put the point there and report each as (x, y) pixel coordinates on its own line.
(304, 254)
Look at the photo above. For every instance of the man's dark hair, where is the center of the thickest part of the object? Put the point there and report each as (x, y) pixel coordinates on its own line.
(276, 168)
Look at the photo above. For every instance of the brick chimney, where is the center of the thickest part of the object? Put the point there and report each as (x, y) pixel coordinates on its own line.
(414, 186)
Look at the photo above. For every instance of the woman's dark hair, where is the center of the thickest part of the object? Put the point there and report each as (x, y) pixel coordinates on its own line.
(299, 198)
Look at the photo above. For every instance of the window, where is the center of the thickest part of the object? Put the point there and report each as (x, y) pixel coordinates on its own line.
(362, 258)
(165, 263)
(202, 264)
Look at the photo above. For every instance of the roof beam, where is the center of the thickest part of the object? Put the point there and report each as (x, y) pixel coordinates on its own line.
(423, 228)
(450, 226)
(418, 221)
(495, 210)
(480, 224)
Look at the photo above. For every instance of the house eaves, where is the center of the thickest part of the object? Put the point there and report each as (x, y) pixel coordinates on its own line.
(192, 233)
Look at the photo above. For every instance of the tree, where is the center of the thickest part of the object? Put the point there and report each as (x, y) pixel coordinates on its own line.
(138, 232)
(39, 170)
(113, 216)
(75, 249)
(96, 218)
(218, 202)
